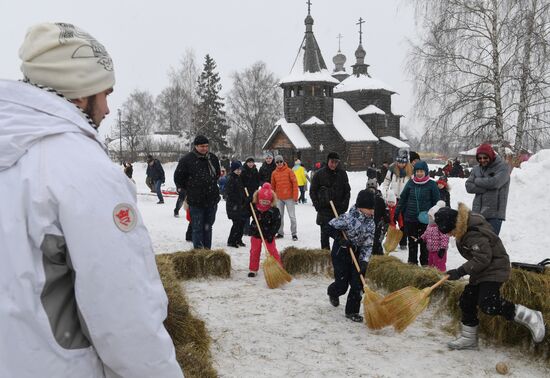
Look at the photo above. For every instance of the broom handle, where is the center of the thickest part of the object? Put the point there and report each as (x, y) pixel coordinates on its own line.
(349, 248)
(257, 223)
(439, 283)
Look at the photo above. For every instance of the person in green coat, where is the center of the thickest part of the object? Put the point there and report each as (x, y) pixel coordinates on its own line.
(418, 196)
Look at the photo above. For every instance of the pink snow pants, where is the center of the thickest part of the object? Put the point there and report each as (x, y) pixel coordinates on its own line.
(436, 262)
(256, 250)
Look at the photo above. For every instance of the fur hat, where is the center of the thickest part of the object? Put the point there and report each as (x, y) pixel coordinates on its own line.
(333, 156)
(365, 199)
(200, 139)
(445, 218)
(236, 165)
(486, 149)
(431, 213)
(67, 59)
(413, 156)
(265, 197)
(390, 196)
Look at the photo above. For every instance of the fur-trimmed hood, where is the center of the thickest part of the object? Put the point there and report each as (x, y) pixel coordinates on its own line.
(461, 221)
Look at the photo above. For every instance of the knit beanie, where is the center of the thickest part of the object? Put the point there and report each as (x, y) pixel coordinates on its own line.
(390, 197)
(268, 154)
(486, 149)
(372, 183)
(421, 165)
(402, 157)
(200, 139)
(66, 58)
(431, 213)
(413, 156)
(365, 199)
(265, 196)
(235, 165)
(445, 218)
(442, 182)
(250, 158)
(279, 158)
(333, 156)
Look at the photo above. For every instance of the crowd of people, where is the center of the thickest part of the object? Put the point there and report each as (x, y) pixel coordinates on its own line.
(82, 295)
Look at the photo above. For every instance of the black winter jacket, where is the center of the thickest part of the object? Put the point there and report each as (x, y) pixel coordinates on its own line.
(251, 179)
(270, 221)
(155, 171)
(235, 198)
(329, 185)
(265, 172)
(198, 175)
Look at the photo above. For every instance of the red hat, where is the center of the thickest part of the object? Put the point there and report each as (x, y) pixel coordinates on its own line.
(486, 149)
(265, 196)
(442, 182)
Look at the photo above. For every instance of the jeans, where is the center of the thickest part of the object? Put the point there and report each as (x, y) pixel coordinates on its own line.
(179, 202)
(486, 296)
(289, 203)
(158, 184)
(495, 223)
(302, 198)
(202, 220)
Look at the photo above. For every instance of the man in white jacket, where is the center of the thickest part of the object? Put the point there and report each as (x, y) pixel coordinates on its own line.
(80, 292)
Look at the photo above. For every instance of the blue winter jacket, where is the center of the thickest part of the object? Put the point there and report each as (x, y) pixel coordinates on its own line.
(359, 229)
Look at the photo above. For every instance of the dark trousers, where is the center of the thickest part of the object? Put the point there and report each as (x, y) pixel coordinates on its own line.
(486, 296)
(246, 226)
(345, 274)
(236, 232)
(202, 220)
(158, 184)
(325, 239)
(189, 232)
(377, 243)
(496, 224)
(302, 198)
(179, 202)
(414, 230)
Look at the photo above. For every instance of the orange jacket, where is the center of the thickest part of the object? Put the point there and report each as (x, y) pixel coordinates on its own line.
(283, 182)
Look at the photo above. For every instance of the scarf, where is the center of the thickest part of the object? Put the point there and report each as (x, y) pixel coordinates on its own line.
(421, 181)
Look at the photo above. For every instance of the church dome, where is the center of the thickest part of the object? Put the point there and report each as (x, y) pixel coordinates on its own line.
(360, 53)
(339, 59)
(308, 20)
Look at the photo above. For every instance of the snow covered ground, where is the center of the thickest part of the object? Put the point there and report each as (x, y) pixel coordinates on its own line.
(294, 331)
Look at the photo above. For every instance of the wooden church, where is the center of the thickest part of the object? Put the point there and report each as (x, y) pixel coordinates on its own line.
(347, 113)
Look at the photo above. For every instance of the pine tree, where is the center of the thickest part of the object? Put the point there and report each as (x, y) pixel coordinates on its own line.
(210, 118)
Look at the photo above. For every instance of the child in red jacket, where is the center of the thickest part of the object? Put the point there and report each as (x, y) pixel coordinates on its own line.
(436, 241)
(391, 201)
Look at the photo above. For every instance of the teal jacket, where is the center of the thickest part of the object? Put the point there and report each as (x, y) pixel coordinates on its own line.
(416, 198)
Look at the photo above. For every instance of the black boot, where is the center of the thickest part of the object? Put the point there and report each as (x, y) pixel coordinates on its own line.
(355, 317)
(335, 301)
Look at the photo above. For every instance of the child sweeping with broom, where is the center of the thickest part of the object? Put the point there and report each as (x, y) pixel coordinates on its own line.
(489, 267)
(269, 218)
(358, 226)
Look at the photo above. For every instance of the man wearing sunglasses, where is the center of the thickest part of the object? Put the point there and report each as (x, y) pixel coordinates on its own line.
(489, 181)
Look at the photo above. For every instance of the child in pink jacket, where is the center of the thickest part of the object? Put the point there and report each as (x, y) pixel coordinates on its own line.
(436, 242)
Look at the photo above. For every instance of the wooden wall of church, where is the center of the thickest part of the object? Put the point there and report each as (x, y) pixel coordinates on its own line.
(359, 100)
(359, 155)
(300, 108)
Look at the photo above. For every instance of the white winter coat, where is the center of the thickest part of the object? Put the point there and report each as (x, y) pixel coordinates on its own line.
(394, 182)
(79, 296)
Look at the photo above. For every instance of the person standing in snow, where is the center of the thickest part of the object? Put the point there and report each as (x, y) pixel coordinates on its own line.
(267, 168)
(222, 181)
(284, 184)
(444, 193)
(358, 226)
(81, 293)
(490, 182)
(269, 219)
(489, 267)
(236, 205)
(437, 242)
(329, 183)
(301, 179)
(197, 173)
(251, 181)
(381, 216)
(155, 173)
(419, 195)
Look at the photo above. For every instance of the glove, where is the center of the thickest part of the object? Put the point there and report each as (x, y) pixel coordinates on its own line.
(455, 274)
(363, 267)
(441, 253)
(344, 243)
(269, 239)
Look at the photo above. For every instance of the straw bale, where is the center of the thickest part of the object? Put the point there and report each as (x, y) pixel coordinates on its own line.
(307, 261)
(201, 263)
(188, 333)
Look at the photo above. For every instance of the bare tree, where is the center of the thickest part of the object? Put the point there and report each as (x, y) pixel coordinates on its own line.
(254, 106)
(138, 119)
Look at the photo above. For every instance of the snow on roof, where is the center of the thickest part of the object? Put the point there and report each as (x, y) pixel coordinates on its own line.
(297, 74)
(349, 125)
(292, 131)
(395, 142)
(313, 121)
(402, 135)
(371, 109)
(361, 82)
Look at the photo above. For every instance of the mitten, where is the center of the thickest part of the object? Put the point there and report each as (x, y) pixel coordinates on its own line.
(344, 243)
(455, 274)
(363, 265)
(441, 253)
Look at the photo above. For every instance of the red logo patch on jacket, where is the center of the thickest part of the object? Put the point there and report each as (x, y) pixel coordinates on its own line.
(125, 217)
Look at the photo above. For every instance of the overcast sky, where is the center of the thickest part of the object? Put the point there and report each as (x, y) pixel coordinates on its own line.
(146, 38)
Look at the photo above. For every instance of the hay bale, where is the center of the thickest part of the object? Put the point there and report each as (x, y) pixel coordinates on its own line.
(201, 263)
(307, 261)
(188, 333)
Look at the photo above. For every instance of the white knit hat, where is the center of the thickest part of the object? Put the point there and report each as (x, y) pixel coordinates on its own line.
(435, 209)
(390, 196)
(67, 59)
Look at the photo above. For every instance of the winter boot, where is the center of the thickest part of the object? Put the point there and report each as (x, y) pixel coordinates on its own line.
(355, 317)
(467, 339)
(335, 301)
(531, 319)
(252, 274)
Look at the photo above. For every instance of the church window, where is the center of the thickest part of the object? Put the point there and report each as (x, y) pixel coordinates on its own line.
(300, 91)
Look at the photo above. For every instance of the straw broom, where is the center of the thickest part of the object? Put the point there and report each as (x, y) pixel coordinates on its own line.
(375, 315)
(275, 275)
(393, 237)
(406, 304)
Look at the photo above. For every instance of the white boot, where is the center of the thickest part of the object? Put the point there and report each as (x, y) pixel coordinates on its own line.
(467, 339)
(531, 319)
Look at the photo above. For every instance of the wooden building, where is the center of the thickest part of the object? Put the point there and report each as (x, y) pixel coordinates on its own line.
(347, 113)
